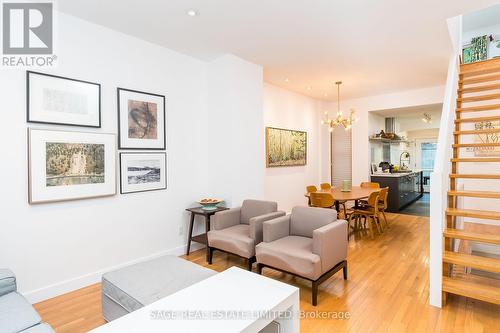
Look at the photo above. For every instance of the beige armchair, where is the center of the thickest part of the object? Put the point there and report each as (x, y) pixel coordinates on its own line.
(310, 243)
(238, 230)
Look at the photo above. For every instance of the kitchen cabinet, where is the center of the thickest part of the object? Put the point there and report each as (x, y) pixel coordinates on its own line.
(404, 188)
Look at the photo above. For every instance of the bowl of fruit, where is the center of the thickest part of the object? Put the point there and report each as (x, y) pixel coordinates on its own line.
(209, 203)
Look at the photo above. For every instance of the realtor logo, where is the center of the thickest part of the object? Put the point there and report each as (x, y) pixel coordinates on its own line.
(28, 34)
(27, 28)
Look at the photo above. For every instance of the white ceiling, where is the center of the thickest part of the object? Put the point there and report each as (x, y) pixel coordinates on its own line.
(411, 112)
(374, 46)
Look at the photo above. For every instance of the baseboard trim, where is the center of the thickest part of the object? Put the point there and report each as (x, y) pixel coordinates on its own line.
(63, 287)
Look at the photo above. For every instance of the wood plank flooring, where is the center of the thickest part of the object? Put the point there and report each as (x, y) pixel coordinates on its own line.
(387, 290)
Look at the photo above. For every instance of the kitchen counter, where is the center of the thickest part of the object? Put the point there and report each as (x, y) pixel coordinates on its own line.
(404, 188)
(396, 174)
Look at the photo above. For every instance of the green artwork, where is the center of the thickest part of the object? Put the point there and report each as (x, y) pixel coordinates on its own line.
(477, 50)
(467, 55)
(74, 163)
(285, 147)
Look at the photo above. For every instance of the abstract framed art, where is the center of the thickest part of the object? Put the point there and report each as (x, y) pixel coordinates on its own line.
(70, 165)
(141, 172)
(285, 147)
(141, 120)
(59, 100)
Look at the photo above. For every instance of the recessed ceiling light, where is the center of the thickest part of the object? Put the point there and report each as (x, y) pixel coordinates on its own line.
(309, 88)
(287, 80)
(192, 12)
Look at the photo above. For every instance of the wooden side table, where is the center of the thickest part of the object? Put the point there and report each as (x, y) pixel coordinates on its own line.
(201, 238)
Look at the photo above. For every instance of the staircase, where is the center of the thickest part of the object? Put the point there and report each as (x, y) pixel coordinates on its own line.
(478, 101)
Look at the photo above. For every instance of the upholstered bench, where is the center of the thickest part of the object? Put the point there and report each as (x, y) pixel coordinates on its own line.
(132, 287)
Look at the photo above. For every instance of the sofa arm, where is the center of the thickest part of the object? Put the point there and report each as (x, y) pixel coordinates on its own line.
(7, 281)
(226, 218)
(330, 244)
(276, 228)
(257, 222)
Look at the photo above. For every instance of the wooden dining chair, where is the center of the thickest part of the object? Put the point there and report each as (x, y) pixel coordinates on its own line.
(382, 203)
(370, 184)
(322, 200)
(310, 189)
(370, 214)
(367, 185)
(325, 186)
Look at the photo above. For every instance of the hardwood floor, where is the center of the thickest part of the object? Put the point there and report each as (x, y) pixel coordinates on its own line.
(387, 290)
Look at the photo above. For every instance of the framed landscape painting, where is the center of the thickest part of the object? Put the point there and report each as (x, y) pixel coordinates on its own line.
(285, 147)
(70, 165)
(59, 100)
(141, 120)
(142, 172)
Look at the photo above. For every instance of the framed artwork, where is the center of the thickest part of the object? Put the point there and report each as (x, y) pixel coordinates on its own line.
(477, 50)
(467, 54)
(59, 100)
(70, 165)
(140, 172)
(141, 120)
(285, 147)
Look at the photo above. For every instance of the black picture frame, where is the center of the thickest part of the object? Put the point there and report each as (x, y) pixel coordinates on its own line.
(28, 106)
(164, 123)
(142, 153)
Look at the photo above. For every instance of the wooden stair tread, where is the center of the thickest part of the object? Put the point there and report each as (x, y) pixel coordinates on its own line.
(480, 67)
(473, 176)
(483, 131)
(473, 236)
(483, 292)
(476, 159)
(481, 79)
(481, 144)
(468, 260)
(479, 108)
(475, 194)
(477, 120)
(480, 214)
(478, 98)
(485, 87)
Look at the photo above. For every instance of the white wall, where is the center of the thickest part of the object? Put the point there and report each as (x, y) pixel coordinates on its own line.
(285, 109)
(235, 141)
(54, 248)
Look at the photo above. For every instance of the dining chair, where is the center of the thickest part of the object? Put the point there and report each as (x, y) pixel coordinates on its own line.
(367, 185)
(370, 214)
(328, 186)
(322, 200)
(370, 184)
(310, 189)
(382, 203)
(325, 186)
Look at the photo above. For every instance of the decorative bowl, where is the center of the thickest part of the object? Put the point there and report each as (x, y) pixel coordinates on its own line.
(209, 203)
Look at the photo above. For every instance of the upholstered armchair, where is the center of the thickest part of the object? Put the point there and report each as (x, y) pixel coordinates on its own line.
(238, 230)
(310, 243)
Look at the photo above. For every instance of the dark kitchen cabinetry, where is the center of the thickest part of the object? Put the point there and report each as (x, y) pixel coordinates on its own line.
(404, 189)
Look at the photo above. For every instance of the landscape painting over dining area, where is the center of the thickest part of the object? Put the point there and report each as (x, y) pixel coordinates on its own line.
(285, 147)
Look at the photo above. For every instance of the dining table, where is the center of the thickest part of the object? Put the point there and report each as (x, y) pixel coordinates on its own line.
(355, 194)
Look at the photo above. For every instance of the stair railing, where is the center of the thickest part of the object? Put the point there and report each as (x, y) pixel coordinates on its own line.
(440, 181)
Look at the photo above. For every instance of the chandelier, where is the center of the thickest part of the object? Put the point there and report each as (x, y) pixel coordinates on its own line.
(339, 120)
